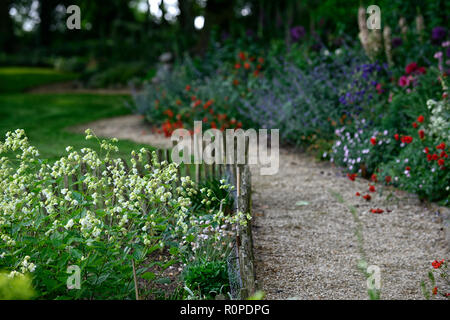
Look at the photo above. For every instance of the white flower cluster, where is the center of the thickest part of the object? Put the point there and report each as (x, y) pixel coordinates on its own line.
(111, 202)
(440, 120)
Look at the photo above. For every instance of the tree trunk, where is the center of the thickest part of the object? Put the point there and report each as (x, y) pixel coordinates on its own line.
(6, 27)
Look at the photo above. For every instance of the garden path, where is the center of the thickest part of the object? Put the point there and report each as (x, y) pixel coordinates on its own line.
(305, 236)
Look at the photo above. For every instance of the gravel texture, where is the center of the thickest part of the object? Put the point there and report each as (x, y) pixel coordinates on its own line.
(305, 242)
(304, 238)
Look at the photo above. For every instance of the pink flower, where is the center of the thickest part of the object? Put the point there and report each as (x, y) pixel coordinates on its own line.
(438, 55)
(403, 81)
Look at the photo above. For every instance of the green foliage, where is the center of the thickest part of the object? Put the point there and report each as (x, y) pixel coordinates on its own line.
(210, 278)
(19, 79)
(15, 288)
(100, 223)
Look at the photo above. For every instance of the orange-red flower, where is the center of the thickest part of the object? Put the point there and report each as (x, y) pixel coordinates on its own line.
(367, 197)
(420, 119)
(372, 188)
(441, 146)
(421, 134)
(437, 264)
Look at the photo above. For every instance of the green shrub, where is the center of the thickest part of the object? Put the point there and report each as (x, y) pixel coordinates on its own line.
(209, 278)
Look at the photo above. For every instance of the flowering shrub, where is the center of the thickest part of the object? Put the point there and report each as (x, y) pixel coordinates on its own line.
(438, 279)
(176, 102)
(303, 103)
(361, 150)
(103, 223)
(439, 125)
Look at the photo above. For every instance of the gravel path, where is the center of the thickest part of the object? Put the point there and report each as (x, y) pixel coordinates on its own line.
(304, 238)
(305, 243)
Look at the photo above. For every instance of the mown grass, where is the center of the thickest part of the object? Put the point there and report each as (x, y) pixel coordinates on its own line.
(46, 117)
(19, 79)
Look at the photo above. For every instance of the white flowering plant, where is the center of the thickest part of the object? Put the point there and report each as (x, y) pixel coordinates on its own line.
(107, 221)
(360, 148)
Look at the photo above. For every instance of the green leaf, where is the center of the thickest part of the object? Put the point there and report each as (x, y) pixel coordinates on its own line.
(148, 276)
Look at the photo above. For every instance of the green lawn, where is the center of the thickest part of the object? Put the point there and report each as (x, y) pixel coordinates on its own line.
(19, 79)
(45, 117)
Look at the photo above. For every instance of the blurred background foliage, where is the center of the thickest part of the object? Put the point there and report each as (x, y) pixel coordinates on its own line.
(113, 32)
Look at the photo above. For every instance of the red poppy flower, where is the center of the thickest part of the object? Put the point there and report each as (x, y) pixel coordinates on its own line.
(408, 168)
(213, 125)
(443, 155)
(407, 139)
(421, 134)
(429, 157)
(372, 188)
(237, 65)
(434, 157)
(373, 141)
(441, 162)
(426, 150)
(169, 113)
(367, 197)
(378, 210)
(188, 88)
(420, 119)
(396, 137)
(357, 194)
(441, 146)
(197, 103)
(414, 125)
(247, 65)
(208, 104)
(435, 291)
(352, 176)
(256, 73)
(387, 179)
(242, 55)
(437, 264)
(374, 178)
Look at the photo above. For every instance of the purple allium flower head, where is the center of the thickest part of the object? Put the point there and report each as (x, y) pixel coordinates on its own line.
(396, 42)
(438, 34)
(297, 33)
